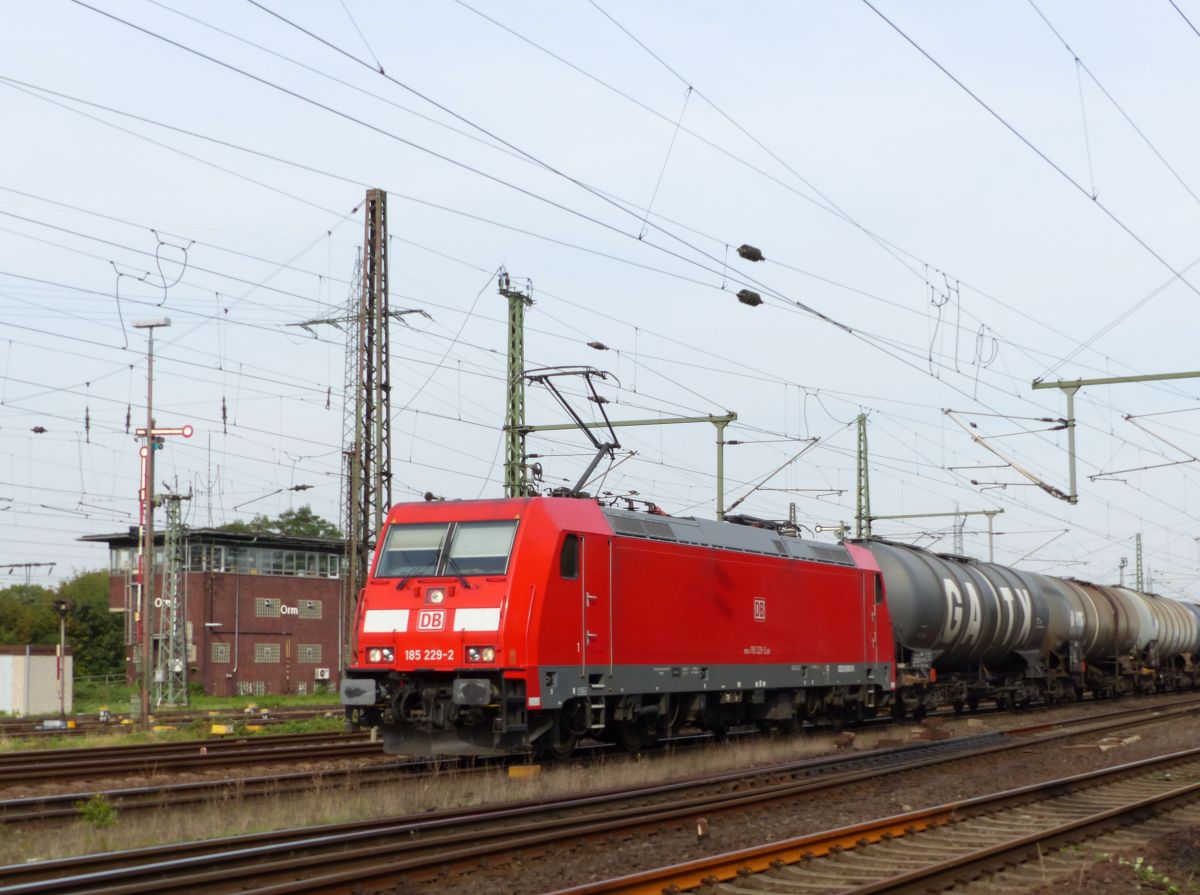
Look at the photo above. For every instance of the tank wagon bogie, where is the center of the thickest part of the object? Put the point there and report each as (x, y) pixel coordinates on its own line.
(505, 625)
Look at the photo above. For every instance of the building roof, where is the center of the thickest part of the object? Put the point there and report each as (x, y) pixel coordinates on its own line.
(130, 538)
(31, 650)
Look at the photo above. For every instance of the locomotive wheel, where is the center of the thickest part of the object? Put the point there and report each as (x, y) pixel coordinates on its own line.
(632, 737)
(559, 741)
(561, 747)
(557, 744)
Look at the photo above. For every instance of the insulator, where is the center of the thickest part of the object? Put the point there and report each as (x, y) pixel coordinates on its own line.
(750, 253)
(599, 346)
(39, 430)
(746, 297)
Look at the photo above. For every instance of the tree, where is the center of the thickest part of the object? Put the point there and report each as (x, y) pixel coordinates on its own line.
(256, 525)
(27, 615)
(304, 523)
(16, 621)
(96, 635)
(298, 523)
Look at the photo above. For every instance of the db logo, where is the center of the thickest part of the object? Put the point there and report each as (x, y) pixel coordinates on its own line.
(760, 610)
(431, 619)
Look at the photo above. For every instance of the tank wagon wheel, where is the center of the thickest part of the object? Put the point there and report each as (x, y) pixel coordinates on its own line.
(972, 704)
(958, 705)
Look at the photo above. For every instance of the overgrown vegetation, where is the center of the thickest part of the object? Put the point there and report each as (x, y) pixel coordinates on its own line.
(98, 811)
(332, 724)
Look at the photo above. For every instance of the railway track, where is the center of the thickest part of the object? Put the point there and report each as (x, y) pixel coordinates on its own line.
(345, 856)
(31, 728)
(63, 807)
(956, 844)
(66, 764)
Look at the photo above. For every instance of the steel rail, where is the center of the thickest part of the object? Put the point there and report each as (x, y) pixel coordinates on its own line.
(1023, 847)
(216, 743)
(30, 727)
(744, 863)
(48, 764)
(380, 848)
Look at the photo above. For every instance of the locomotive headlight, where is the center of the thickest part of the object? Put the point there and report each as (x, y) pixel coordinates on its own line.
(435, 595)
(489, 653)
(388, 654)
(481, 654)
(472, 654)
(375, 654)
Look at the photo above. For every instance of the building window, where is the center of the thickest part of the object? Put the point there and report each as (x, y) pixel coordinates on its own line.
(266, 652)
(308, 653)
(309, 608)
(243, 560)
(220, 653)
(121, 560)
(266, 607)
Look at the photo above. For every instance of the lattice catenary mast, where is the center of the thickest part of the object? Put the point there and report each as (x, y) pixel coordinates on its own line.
(367, 451)
(170, 671)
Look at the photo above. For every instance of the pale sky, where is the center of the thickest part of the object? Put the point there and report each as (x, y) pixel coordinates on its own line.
(923, 254)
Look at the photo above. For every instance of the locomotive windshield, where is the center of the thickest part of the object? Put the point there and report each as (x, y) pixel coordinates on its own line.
(475, 548)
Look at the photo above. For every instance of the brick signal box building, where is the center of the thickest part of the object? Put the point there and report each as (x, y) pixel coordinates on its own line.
(262, 610)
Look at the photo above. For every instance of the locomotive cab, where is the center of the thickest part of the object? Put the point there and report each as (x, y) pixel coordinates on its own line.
(429, 661)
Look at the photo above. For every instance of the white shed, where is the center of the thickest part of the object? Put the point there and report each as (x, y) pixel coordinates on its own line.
(30, 680)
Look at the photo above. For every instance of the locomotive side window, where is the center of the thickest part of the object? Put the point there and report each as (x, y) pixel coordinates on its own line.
(568, 561)
(878, 589)
(480, 548)
(411, 550)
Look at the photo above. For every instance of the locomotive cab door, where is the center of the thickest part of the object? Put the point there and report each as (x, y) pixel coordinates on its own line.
(595, 609)
(872, 604)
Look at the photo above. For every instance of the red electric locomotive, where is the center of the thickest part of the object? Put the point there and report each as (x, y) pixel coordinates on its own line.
(502, 625)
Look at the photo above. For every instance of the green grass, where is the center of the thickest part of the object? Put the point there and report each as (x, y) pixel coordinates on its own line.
(269, 701)
(91, 696)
